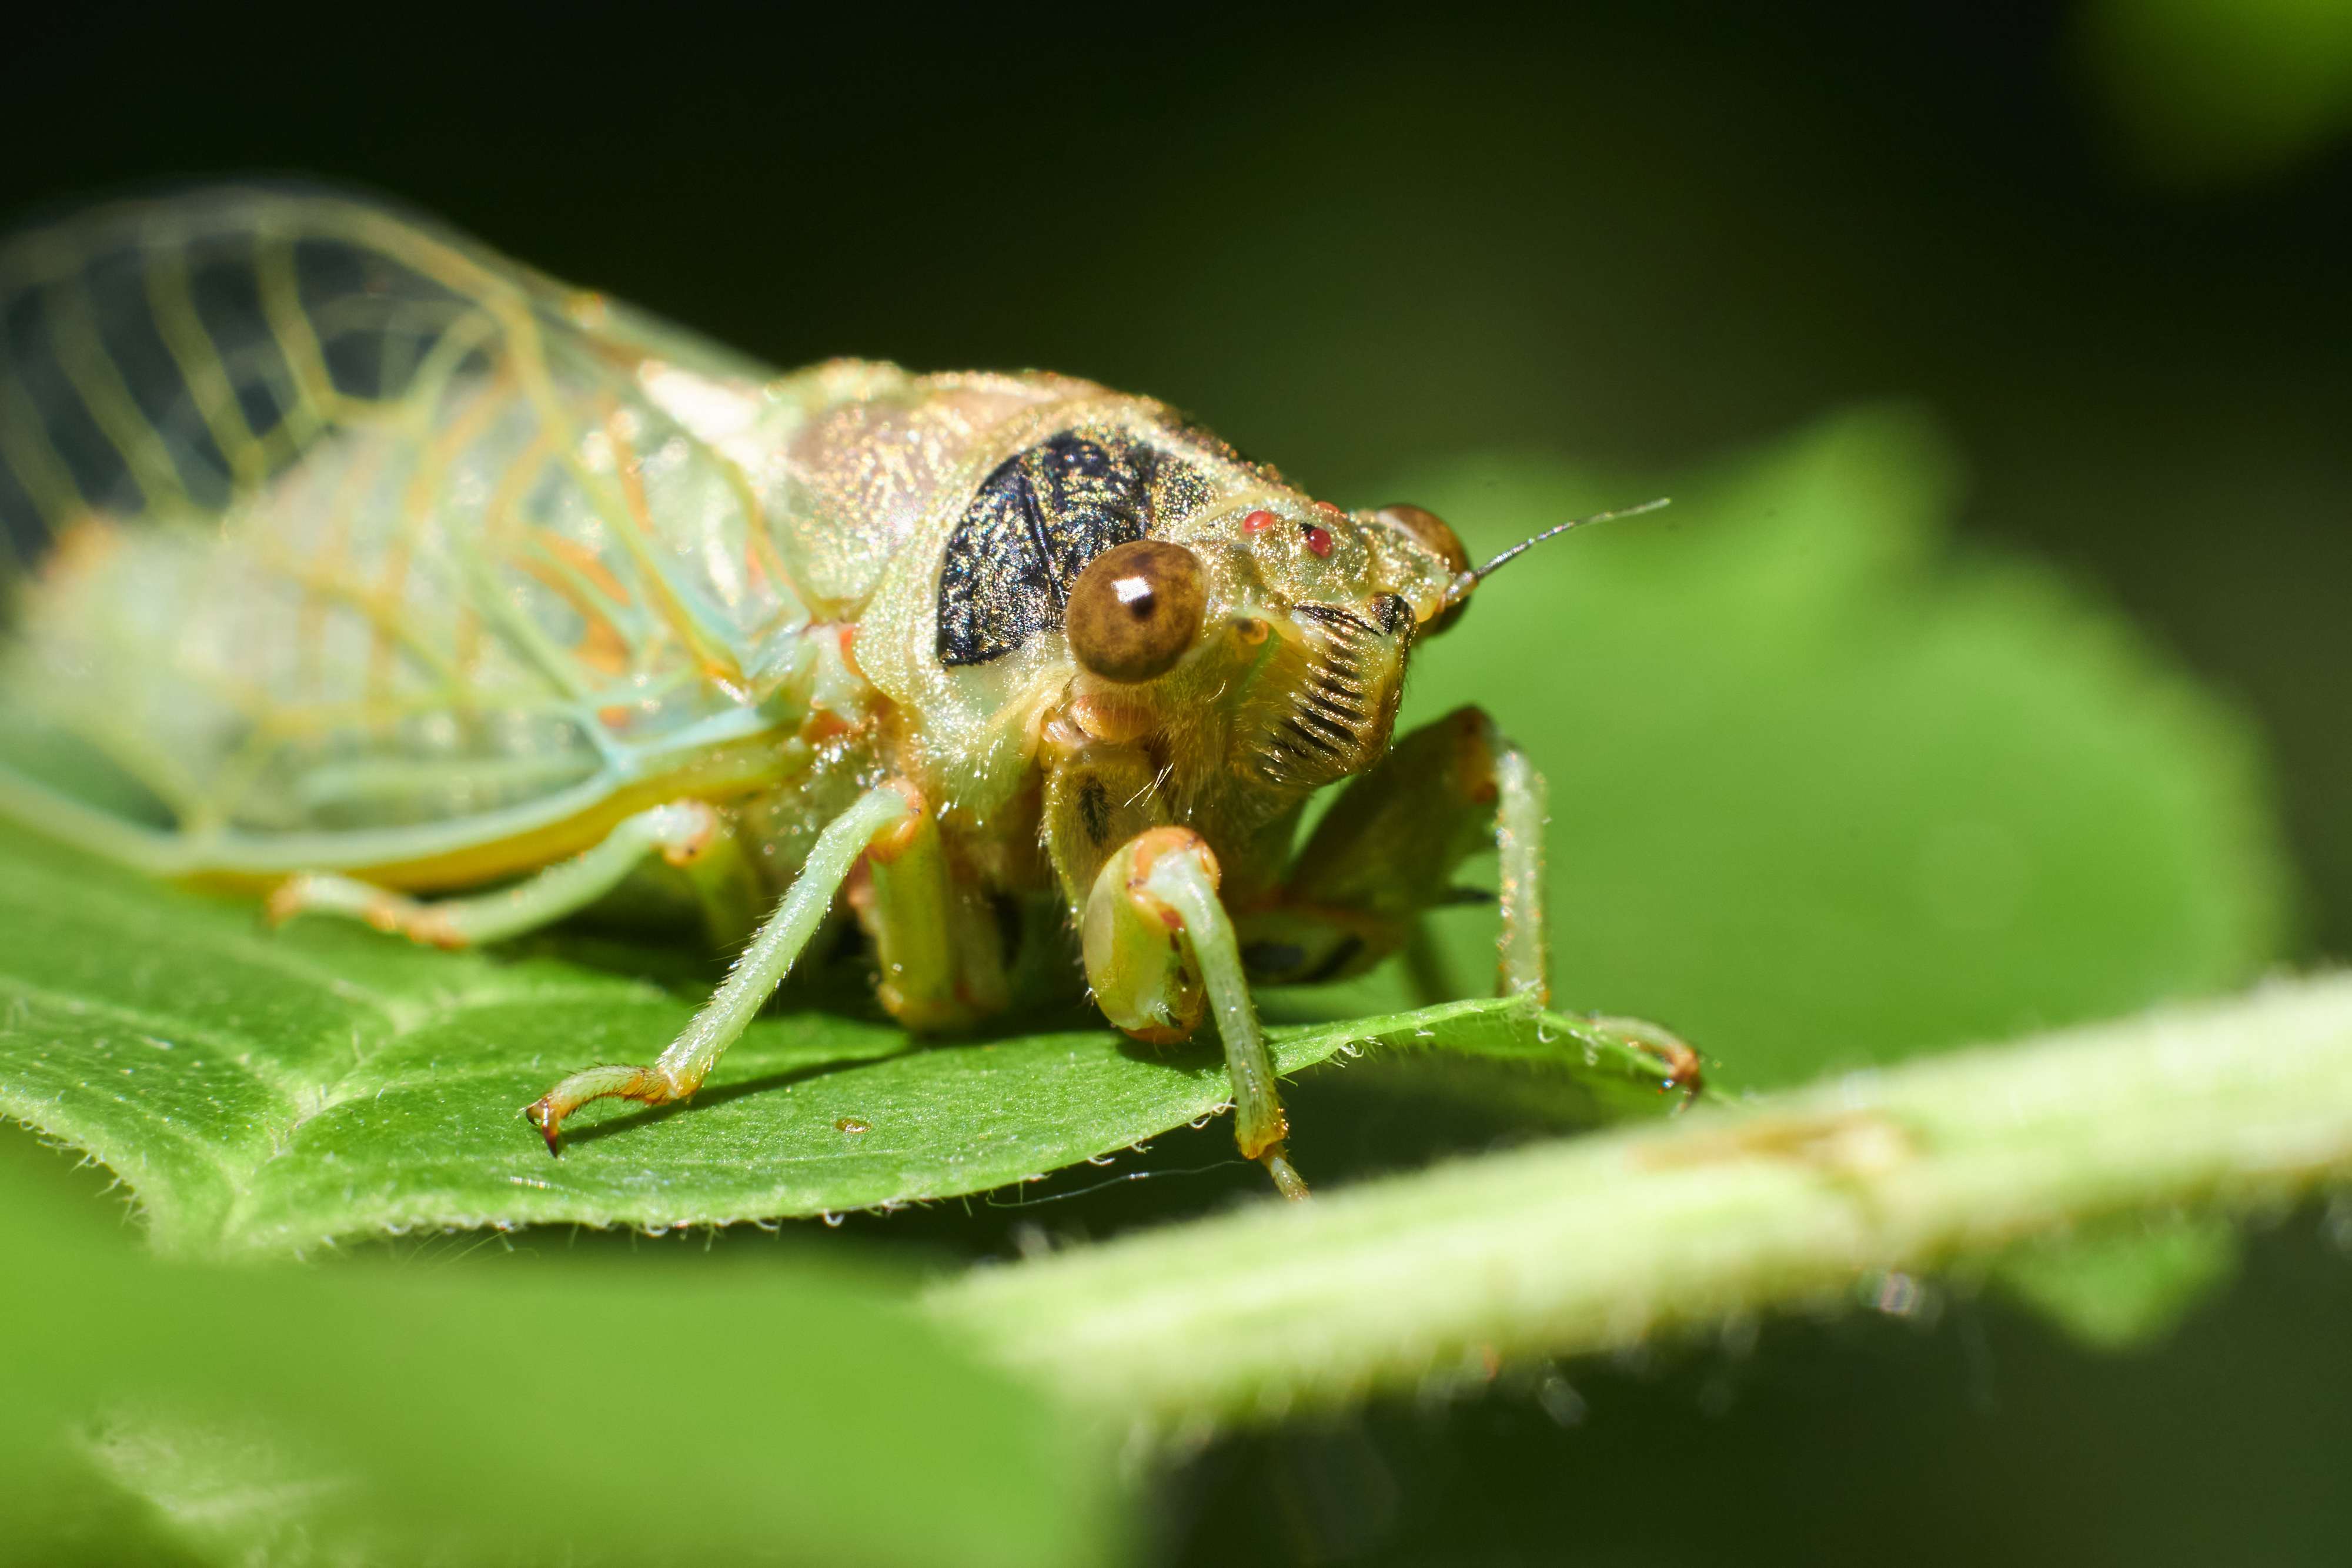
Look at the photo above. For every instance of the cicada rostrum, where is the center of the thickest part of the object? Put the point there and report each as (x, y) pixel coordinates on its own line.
(375, 572)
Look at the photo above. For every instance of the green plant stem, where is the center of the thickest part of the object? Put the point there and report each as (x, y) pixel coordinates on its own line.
(1592, 1243)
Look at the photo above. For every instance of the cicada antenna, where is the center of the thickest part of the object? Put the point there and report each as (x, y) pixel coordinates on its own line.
(1464, 584)
(1481, 574)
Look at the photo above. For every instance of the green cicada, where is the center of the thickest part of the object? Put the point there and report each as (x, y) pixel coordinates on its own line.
(376, 572)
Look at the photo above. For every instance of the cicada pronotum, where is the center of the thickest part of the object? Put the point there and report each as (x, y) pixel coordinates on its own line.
(376, 572)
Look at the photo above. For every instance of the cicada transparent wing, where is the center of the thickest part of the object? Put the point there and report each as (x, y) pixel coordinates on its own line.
(342, 542)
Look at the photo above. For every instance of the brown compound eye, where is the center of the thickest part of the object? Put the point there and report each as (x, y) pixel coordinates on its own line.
(1135, 608)
(1434, 535)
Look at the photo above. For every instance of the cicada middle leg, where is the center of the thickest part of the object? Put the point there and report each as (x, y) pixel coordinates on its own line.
(1388, 852)
(888, 821)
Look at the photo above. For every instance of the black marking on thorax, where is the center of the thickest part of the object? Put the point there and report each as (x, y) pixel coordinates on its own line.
(1039, 517)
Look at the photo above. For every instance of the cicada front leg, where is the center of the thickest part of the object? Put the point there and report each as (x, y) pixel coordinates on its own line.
(1387, 853)
(889, 821)
(689, 835)
(1158, 944)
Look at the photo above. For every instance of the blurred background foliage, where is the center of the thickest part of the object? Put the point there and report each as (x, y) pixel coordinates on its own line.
(2082, 266)
(1826, 794)
(2207, 94)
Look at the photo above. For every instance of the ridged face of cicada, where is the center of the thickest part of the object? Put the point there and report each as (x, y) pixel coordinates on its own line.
(1247, 635)
(1327, 606)
(1326, 698)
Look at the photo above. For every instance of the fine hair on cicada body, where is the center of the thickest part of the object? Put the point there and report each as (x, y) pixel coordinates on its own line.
(501, 585)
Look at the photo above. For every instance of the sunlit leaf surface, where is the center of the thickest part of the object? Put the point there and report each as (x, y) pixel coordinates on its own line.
(272, 1090)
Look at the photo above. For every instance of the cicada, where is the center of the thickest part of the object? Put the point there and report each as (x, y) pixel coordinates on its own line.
(369, 571)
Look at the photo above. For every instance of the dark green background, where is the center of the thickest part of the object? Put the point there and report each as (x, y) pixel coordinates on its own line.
(1357, 241)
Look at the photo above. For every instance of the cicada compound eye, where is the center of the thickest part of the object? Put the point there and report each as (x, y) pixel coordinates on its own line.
(1432, 534)
(1135, 608)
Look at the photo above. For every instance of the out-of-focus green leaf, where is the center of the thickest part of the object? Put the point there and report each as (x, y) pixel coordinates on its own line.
(2125, 1284)
(1823, 795)
(2215, 93)
(568, 1413)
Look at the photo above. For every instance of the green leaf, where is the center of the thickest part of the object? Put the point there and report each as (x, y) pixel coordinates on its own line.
(268, 1092)
(1826, 793)
(2206, 94)
(2125, 1284)
(572, 1412)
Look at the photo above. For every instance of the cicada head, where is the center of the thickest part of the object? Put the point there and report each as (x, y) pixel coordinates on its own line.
(1108, 575)
(1265, 639)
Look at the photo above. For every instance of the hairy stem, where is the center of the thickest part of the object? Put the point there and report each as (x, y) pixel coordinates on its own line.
(1590, 1243)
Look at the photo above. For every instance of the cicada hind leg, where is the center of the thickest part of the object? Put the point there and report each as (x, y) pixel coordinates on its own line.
(690, 835)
